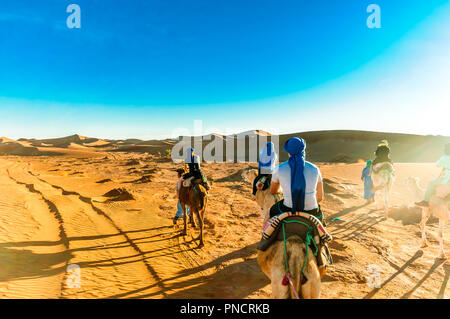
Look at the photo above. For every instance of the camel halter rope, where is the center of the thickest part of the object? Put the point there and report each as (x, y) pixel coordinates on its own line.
(309, 239)
(277, 197)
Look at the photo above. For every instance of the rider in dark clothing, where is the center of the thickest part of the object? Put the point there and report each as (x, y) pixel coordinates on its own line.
(382, 154)
(194, 170)
(193, 163)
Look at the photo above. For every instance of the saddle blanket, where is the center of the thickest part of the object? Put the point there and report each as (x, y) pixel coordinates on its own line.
(443, 191)
(381, 166)
(271, 230)
(191, 181)
(188, 182)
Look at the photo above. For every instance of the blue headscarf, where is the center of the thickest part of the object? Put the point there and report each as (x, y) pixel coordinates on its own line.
(267, 158)
(190, 155)
(296, 148)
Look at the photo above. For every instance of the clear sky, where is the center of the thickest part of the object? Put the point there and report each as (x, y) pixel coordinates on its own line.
(147, 69)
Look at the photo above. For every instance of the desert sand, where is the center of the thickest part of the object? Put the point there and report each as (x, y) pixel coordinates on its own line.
(111, 214)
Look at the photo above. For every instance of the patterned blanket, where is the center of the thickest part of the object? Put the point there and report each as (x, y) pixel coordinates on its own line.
(381, 166)
(272, 227)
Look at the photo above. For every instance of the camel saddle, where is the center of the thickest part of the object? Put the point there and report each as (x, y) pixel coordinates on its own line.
(191, 181)
(194, 182)
(299, 224)
(443, 191)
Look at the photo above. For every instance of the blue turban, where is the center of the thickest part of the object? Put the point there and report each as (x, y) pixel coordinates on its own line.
(296, 148)
(189, 155)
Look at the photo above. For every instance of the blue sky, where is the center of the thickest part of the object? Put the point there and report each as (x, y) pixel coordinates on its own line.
(148, 69)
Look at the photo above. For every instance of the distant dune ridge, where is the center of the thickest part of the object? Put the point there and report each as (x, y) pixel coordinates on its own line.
(330, 146)
(12, 147)
(345, 146)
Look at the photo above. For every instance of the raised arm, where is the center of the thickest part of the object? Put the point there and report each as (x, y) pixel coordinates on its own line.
(275, 182)
(319, 191)
(274, 188)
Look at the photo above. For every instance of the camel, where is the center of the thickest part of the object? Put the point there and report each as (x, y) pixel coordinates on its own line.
(196, 197)
(439, 206)
(272, 263)
(264, 198)
(383, 180)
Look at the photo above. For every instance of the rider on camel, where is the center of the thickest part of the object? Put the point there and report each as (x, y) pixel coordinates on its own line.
(192, 162)
(302, 186)
(382, 154)
(443, 179)
(266, 164)
(382, 161)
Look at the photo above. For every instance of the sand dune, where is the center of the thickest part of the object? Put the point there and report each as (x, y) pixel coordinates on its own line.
(322, 146)
(110, 212)
(12, 147)
(5, 140)
(98, 143)
(342, 146)
(119, 231)
(60, 142)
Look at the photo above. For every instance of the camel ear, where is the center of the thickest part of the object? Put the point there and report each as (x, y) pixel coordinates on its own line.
(248, 175)
(253, 174)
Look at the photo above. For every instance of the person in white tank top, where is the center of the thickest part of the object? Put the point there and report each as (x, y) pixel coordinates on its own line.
(307, 184)
(314, 184)
(302, 186)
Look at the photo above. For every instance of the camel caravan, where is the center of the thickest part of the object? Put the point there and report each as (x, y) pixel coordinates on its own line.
(293, 252)
(192, 192)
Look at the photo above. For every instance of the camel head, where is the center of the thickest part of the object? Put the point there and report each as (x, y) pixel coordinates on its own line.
(180, 171)
(412, 182)
(413, 185)
(249, 175)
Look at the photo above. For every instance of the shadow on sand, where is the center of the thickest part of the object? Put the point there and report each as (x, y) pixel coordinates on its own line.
(417, 255)
(24, 264)
(436, 264)
(221, 284)
(17, 264)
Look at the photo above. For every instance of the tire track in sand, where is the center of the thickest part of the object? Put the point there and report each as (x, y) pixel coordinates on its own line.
(172, 265)
(51, 207)
(33, 253)
(111, 263)
(88, 201)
